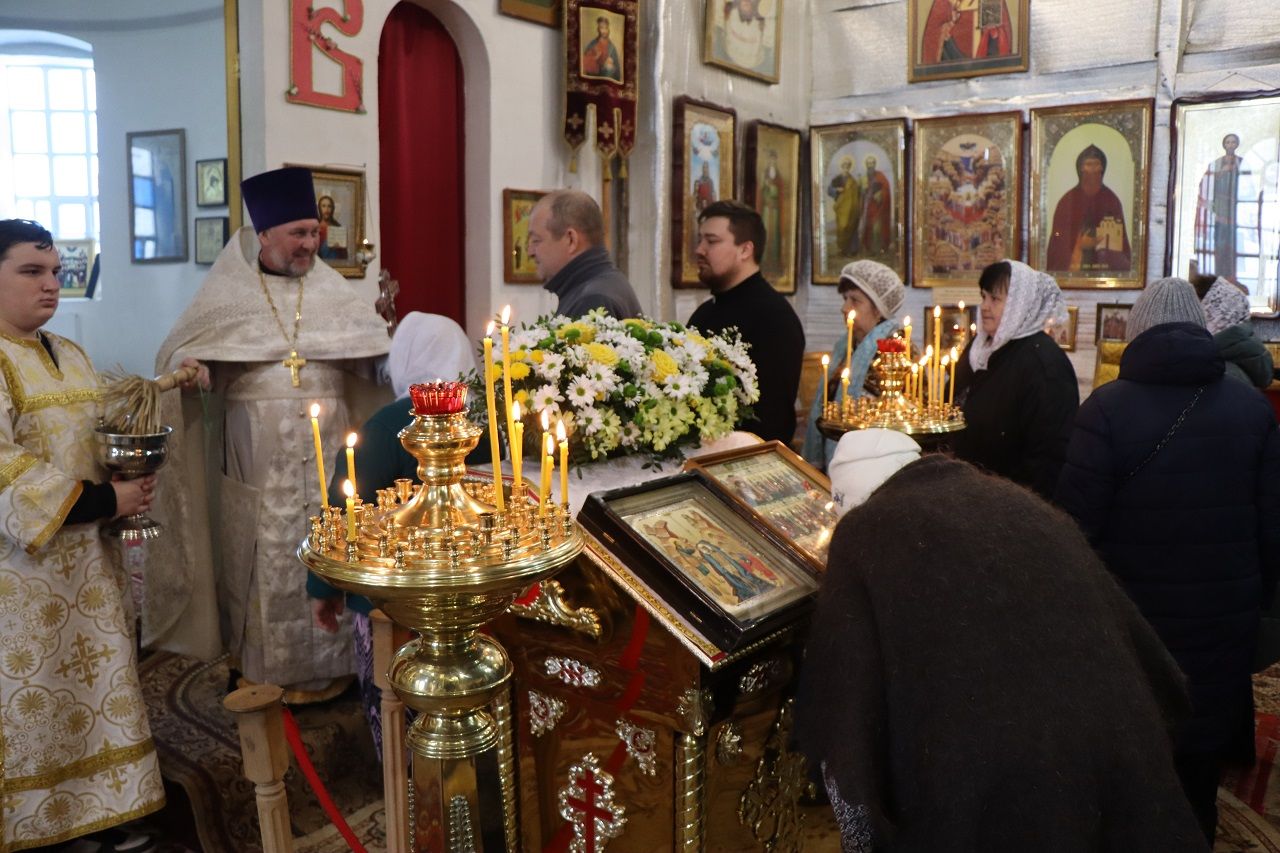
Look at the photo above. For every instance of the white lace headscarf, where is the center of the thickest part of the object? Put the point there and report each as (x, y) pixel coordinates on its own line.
(1225, 305)
(428, 347)
(1032, 302)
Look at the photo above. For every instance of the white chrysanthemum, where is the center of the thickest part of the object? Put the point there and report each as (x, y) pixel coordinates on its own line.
(630, 436)
(678, 386)
(551, 366)
(577, 356)
(546, 397)
(526, 338)
(589, 420)
(581, 391)
(693, 351)
(602, 377)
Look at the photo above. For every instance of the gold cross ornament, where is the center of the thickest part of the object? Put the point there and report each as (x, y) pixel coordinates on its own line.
(294, 364)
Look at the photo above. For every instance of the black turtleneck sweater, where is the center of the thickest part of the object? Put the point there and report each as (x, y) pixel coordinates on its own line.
(592, 281)
(770, 326)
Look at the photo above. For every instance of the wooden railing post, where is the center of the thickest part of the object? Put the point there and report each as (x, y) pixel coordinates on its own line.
(266, 758)
(395, 773)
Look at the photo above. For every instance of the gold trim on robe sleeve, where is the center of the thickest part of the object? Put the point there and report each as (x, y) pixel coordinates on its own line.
(15, 469)
(55, 524)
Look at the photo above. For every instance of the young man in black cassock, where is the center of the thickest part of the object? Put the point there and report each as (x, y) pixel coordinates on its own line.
(731, 239)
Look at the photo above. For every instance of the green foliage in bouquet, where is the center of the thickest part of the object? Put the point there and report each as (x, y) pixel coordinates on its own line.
(629, 386)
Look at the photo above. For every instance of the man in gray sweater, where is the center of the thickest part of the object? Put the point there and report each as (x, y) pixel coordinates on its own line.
(566, 237)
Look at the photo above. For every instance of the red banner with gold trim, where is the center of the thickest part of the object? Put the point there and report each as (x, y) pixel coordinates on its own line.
(601, 71)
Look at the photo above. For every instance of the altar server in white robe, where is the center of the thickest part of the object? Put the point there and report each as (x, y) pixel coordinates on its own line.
(77, 755)
(272, 330)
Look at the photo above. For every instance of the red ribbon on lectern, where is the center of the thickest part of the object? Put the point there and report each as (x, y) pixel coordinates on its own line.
(601, 74)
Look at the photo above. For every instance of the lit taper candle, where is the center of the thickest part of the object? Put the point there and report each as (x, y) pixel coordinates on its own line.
(563, 438)
(506, 365)
(350, 491)
(517, 454)
(826, 362)
(352, 438)
(315, 434)
(544, 475)
(491, 409)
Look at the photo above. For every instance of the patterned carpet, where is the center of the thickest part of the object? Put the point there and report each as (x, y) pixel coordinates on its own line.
(199, 749)
(1249, 800)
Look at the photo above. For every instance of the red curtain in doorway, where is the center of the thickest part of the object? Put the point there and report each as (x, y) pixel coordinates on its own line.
(420, 129)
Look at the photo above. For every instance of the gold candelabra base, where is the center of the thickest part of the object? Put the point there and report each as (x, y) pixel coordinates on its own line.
(438, 559)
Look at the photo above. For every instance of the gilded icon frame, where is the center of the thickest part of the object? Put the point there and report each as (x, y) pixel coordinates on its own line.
(923, 15)
(949, 246)
(762, 143)
(830, 147)
(1060, 136)
(717, 129)
(1199, 128)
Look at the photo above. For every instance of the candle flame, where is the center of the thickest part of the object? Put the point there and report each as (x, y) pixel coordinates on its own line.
(315, 410)
(488, 330)
(937, 312)
(906, 321)
(506, 314)
(348, 489)
(928, 352)
(915, 368)
(848, 318)
(953, 353)
(844, 374)
(351, 439)
(961, 304)
(546, 420)
(560, 433)
(826, 359)
(946, 359)
(515, 410)
(973, 328)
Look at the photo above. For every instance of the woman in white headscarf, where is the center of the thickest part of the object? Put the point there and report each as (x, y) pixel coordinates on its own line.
(1016, 386)
(1227, 316)
(876, 293)
(426, 347)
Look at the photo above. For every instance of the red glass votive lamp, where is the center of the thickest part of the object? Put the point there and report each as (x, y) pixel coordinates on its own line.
(438, 398)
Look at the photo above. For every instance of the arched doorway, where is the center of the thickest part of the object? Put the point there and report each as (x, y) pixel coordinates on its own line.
(420, 133)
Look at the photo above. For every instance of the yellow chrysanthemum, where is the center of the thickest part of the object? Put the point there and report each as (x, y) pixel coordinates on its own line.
(696, 338)
(520, 370)
(585, 332)
(663, 365)
(520, 355)
(602, 353)
(536, 356)
(522, 397)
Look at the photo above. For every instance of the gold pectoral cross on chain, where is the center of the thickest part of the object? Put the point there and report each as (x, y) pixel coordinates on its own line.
(295, 364)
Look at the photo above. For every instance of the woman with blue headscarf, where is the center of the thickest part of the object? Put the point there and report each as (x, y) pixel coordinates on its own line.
(876, 293)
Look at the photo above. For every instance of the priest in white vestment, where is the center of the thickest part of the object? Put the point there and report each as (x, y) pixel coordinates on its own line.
(278, 330)
(76, 750)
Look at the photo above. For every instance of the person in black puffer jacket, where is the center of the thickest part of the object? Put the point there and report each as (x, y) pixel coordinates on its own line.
(1016, 386)
(1173, 473)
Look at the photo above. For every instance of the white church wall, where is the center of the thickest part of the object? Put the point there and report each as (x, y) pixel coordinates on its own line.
(512, 72)
(673, 35)
(155, 71)
(514, 105)
(1081, 52)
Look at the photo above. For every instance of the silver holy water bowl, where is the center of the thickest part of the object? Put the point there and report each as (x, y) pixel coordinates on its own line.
(133, 456)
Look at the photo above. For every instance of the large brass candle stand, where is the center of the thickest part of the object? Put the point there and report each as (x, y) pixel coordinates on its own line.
(895, 408)
(440, 560)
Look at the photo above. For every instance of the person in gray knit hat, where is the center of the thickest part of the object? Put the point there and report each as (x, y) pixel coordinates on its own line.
(1168, 300)
(874, 293)
(1173, 473)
